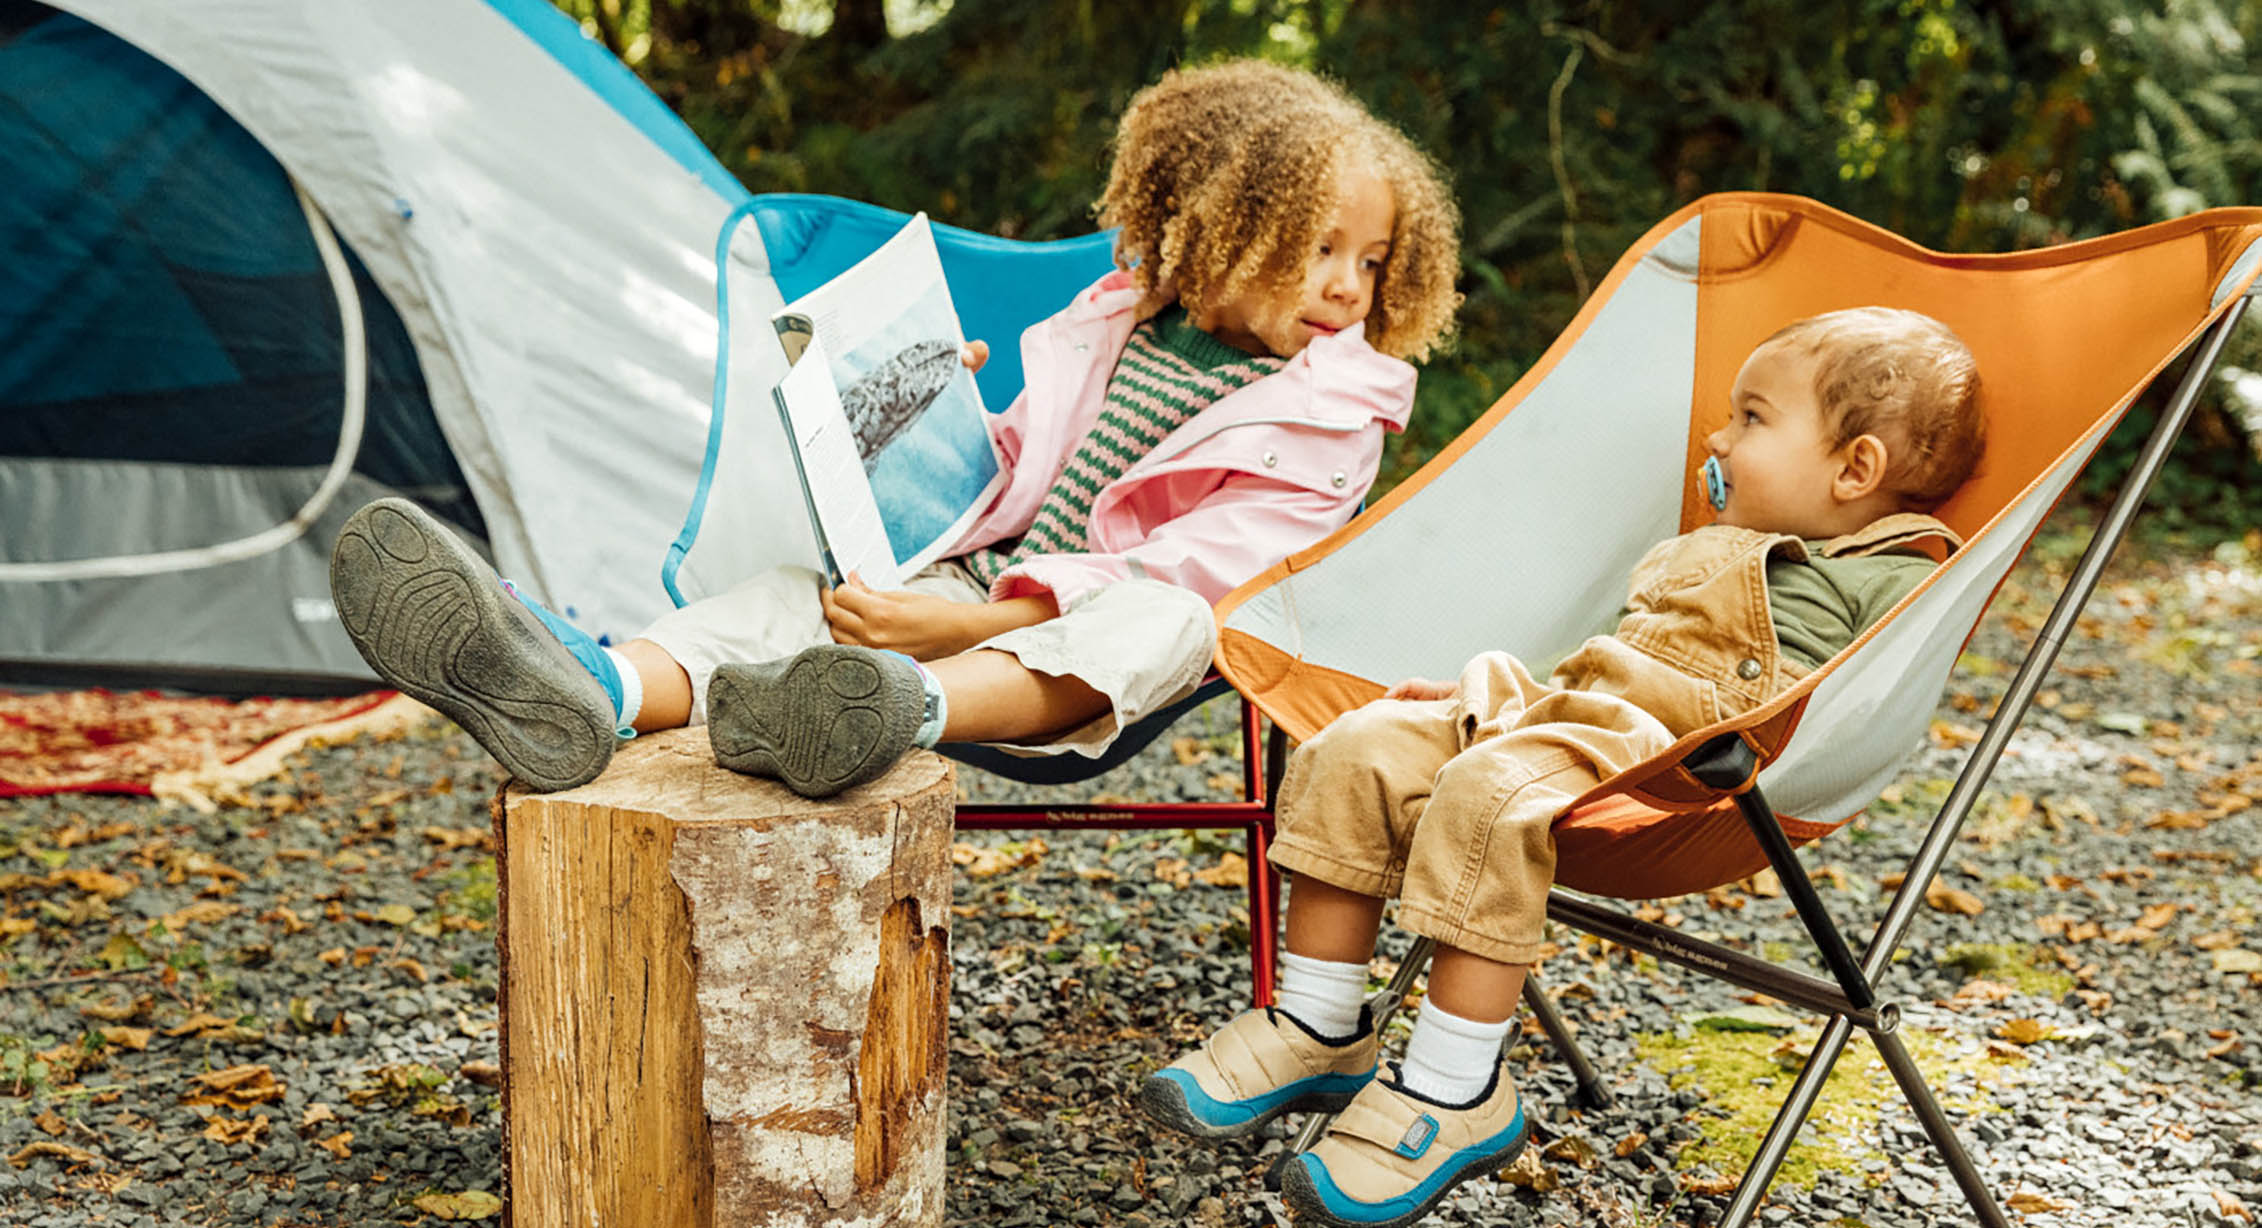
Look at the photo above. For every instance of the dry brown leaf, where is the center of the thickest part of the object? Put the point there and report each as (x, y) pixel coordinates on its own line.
(1953, 899)
(64, 1152)
(119, 1012)
(485, 1074)
(333, 957)
(230, 1131)
(199, 1022)
(2216, 940)
(452, 838)
(1710, 1186)
(1530, 1172)
(315, 1114)
(471, 1204)
(413, 969)
(1630, 1144)
(288, 919)
(98, 882)
(2027, 1202)
(2231, 1207)
(1190, 751)
(237, 1087)
(202, 912)
(339, 1144)
(1173, 870)
(2023, 1031)
(2157, 916)
(988, 862)
(136, 1039)
(2143, 778)
(1095, 874)
(1231, 870)
(50, 1124)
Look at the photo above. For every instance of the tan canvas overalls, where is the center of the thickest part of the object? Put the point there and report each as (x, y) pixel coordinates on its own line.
(1449, 804)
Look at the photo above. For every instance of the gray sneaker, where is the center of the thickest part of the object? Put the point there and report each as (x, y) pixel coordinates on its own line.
(825, 719)
(435, 622)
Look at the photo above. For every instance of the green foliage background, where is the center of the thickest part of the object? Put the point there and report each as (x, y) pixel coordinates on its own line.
(1570, 129)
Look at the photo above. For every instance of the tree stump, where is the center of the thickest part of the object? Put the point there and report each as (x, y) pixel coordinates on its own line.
(723, 1004)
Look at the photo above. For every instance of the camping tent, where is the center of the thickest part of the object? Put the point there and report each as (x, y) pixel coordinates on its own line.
(186, 411)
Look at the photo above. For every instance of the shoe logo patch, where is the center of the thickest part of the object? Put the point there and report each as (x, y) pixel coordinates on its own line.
(1418, 1137)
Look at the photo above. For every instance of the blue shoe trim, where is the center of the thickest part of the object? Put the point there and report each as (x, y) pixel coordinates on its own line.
(1344, 1207)
(1211, 1111)
(584, 648)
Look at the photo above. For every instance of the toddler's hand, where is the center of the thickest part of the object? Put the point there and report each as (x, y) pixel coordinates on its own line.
(974, 354)
(1423, 688)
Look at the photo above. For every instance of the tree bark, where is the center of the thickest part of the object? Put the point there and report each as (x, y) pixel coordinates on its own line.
(721, 1003)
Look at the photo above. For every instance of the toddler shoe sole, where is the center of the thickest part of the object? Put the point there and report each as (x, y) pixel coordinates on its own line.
(822, 721)
(1307, 1205)
(428, 615)
(1164, 1099)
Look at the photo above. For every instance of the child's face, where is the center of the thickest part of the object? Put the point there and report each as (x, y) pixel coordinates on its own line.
(1783, 474)
(1339, 277)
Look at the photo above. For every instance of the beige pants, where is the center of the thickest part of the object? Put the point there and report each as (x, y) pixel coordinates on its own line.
(1450, 804)
(1142, 643)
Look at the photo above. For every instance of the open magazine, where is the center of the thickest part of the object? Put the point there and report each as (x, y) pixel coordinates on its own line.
(868, 450)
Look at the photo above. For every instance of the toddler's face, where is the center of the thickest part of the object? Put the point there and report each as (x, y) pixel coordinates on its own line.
(1339, 279)
(1775, 453)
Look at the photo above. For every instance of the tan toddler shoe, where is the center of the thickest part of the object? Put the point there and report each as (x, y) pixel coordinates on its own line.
(1393, 1155)
(1261, 1065)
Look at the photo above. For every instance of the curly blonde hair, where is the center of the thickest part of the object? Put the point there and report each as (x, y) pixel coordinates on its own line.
(1224, 180)
(1907, 379)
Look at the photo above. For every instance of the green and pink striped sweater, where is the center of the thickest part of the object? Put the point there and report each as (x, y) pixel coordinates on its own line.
(1168, 372)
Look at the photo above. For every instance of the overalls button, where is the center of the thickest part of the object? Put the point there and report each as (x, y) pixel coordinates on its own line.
(1338, 479)
(1271, 459)
(1747, 669)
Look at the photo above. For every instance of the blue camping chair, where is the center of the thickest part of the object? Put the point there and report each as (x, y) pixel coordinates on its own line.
(1001, 287)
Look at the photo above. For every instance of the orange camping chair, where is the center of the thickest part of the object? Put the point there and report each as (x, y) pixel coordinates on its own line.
(1592, 457)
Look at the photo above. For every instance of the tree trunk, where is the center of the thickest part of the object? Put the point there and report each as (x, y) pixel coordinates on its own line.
(721, 1003)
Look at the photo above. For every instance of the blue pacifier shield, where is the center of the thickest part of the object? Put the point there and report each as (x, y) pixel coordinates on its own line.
(1715, 484)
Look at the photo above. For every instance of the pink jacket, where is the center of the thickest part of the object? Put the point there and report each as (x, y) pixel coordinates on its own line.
(1264, 471)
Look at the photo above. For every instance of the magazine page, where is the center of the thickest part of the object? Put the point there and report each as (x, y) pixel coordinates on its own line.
(892, 337)
(850, 537)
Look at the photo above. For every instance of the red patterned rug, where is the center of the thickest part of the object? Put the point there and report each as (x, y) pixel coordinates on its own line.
(101, 742)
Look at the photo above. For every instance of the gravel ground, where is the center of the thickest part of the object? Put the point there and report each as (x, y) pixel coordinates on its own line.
(281, 1012)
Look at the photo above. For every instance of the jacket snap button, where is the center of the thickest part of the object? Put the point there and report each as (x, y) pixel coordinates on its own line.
(1271, 459)
(1338, 479)
(1747, 669)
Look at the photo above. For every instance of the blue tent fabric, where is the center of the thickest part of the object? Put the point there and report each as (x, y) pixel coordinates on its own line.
(161, 298)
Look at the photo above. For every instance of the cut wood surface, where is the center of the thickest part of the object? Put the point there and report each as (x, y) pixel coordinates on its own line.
(723, 1004)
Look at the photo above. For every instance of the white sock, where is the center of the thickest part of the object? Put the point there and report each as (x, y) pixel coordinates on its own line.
(1450, 1059)
(1323, 995)
(930, 731)
(631, 695)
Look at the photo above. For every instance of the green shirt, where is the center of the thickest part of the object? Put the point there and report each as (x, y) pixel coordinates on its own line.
(1820, 605)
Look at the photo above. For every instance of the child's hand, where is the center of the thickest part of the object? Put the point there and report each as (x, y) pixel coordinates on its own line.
(974, 354)
(918, 625)
(1423, 688)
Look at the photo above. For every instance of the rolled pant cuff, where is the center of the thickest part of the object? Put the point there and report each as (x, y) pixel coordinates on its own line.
(1287, 854)
(1445, 932)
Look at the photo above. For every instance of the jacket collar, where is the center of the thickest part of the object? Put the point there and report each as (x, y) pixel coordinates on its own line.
(1341, 381)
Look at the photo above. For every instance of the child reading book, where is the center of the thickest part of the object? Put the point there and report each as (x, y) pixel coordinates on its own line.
(1843, 428)
(1217, 403)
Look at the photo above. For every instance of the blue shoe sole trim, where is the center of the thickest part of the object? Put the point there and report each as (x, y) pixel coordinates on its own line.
(1211, 1111)
(1351, 1210)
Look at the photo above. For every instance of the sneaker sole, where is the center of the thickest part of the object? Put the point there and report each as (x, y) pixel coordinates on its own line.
(427, 614)
(1307, 1207)
(822, 721)
(1165, 1101)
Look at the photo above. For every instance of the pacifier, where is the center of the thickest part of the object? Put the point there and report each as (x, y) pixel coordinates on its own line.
(1715, 484)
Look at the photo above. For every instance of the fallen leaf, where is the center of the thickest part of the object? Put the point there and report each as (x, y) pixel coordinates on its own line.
(451, 838)
(124, 1037)
(1530, 1172)
(315, 1114)
(64, 1152)
(2027, 1202)
(2023, 1031)
(1231, 870)
(2216, 940)
(199, 1022)
(988, 862)
(2157, 916)
(119, 1012)
(2237, 960)
(1190, 751)
(339, 1144)
(395, 914)
(1630, 1144)
(485, 1074)
(201, 912)
(333, 957)
(1945, 898)
(471, 1204)
(230, 1131)
(50, 1124)
(237, 1087)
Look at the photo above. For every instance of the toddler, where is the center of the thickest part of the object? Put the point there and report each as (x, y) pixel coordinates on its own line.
(1844, 428)
(1214, 405)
